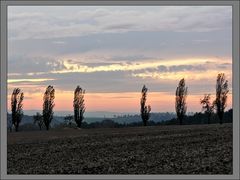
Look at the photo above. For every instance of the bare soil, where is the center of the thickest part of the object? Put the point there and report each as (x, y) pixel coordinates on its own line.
(187, 149)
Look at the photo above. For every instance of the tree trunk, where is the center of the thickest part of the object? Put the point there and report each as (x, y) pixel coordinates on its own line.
(209, 116)
(220, 118)
(79, 124)
(180, 121)
(16, 127)
(145, 123)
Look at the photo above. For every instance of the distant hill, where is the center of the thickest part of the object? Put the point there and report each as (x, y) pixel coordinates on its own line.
(121, 119)
(155, 117)
(29, 119)
(128, 120)
(98, 114)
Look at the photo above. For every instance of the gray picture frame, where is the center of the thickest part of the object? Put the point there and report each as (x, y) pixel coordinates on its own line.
(235, 68)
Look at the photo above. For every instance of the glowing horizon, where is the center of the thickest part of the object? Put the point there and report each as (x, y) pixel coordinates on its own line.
(117, 102)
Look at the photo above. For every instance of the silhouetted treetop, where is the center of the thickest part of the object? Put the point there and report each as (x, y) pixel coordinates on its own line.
(79, 105)
(221, 95)
(48, 105)
(16, 107)
(207, 106)
(145, 110)
(180, 100)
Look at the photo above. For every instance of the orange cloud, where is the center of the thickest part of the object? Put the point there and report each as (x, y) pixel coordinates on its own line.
(28, 80)
(75, 66)
(189, 75)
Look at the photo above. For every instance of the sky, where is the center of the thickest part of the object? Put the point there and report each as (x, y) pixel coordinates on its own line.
(112, 51)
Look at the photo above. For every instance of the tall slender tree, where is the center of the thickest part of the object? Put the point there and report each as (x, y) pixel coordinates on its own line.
(207, 106)
(145, 110)
(180, 100)
(48, 105)
(79, 106)
(221, 96)
(17, 106)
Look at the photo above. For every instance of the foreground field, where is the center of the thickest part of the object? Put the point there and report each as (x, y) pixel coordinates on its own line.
(189, 149)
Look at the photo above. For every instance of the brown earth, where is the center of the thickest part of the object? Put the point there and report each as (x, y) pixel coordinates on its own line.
(187, 149)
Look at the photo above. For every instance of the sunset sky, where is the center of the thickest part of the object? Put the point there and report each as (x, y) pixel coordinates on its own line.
(112, 52)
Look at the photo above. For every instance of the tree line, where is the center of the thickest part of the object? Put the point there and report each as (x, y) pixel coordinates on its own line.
(45, 119)
(219, 104)
(61, 123)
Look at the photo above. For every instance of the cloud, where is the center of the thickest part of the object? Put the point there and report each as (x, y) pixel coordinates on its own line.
(58, 42)
(199, 67)
(65, 22)
(28, 80)
(40, 66)
(29, 64)
(224, 66)
(201, 40)
(159, 75)
(118, 49)
(71, 66)
(173, 75)
(207, 69)
(136, 57)
(75, 66)
(131, 46)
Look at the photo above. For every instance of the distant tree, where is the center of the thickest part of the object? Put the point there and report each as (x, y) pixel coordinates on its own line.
(180, 101)
(79, 105)
(48, 104)
(145, 110)
(207, 106)
(38, 119)
(16, 106)
(68, 119)
(220, 102)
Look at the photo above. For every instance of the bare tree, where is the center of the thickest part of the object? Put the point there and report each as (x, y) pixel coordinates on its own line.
(68, 119)
(180, 101)
(79, 105)
(17, 105)
(221, 95)
(207, 106)
(38, 119)
(145, 110)
(48, 104)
